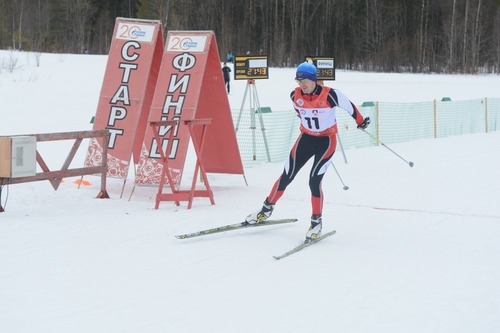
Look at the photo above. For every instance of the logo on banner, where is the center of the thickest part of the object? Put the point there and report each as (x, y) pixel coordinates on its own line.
(139, 32)
(186, 43)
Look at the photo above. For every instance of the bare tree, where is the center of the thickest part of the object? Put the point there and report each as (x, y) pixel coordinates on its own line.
(80, 12)
(496, 39)
(464, 44)
(18, 11)
(476, 38)
(422, 39)
(452, 36)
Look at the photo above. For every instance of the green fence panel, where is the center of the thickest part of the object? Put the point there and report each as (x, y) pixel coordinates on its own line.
(401, 122)
(493, 105)
(460, 117)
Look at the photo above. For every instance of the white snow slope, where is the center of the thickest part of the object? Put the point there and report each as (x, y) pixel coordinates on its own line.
(416, 250)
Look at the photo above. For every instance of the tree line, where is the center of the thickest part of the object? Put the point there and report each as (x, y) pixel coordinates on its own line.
(374, 35)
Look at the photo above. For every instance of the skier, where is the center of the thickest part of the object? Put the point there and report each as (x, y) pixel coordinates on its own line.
(316, 106)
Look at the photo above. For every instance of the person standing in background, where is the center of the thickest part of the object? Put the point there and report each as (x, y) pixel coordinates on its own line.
(226, 70)
(230, 57)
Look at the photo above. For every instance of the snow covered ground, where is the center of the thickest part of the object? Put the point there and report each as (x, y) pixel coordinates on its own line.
(416, 250)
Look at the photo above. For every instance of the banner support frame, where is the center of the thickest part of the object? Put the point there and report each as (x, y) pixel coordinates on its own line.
(177, 195)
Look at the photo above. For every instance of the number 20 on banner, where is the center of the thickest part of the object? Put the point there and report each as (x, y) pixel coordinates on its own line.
(184, 43)
(138, 32)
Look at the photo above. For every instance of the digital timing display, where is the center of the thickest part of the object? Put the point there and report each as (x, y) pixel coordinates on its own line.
(325, 66)
(250, 67)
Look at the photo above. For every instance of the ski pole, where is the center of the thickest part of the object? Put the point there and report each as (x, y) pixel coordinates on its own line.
(380, 142)
(338, 174)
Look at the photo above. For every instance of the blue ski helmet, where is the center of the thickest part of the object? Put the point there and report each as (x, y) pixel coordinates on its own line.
(306, 70)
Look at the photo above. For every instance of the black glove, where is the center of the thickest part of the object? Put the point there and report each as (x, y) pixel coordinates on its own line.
(365, 123)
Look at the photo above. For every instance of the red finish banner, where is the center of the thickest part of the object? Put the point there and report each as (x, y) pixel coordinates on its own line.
(190, 85)
(127, 91)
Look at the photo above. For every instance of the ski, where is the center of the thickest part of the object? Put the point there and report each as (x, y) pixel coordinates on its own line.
(235, 226)
(303, 245)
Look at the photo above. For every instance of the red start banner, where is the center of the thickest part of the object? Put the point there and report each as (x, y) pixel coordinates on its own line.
(127, 91)
(190, 86)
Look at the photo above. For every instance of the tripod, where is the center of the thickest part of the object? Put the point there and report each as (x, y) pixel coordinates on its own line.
(254, 109)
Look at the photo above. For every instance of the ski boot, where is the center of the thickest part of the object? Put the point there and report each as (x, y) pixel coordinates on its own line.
(315, 229)
(260, 215)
